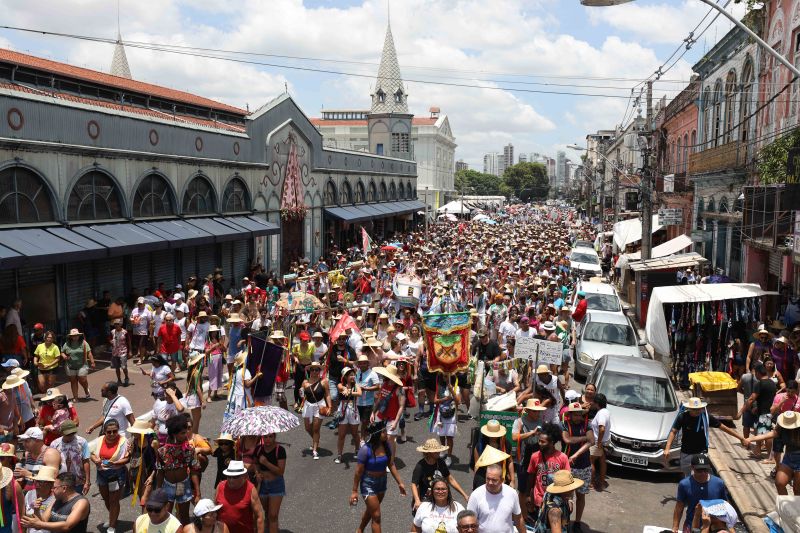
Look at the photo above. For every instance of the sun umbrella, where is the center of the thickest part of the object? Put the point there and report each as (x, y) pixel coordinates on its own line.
(396, 244)
(300, 301)
(260, 420)
(389, 248)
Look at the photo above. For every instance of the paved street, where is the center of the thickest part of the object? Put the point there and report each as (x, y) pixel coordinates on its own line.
(317, 491)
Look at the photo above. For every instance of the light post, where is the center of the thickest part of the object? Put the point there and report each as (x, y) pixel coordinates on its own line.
(427, 207)
(771, 51)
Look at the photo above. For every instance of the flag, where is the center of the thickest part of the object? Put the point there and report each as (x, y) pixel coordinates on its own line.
(366, 241)
(266, 357)
(447, 341)
(345, 322)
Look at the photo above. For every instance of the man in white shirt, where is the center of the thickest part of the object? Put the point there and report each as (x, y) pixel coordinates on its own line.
(507, 329)
(496, 504)
(115, 407)
(524, 329)
(197, 332)
(141, 317)
(354, 340)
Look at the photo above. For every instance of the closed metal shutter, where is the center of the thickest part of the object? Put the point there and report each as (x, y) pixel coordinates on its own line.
(109, 276)
(775, 264)
(226, 252)
(36, 276)
(37, 288)
(241, 259)
(80, 287)
(188, 264)
(164, 268)
(7, 285)
(205, 260)
(140, 272)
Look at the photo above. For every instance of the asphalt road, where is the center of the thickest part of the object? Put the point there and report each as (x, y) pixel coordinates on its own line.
(317, 491)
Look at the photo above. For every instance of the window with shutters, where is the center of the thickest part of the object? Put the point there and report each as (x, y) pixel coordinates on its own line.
(746, 104)
(400, 143)
(153, 198)
(330, 193)
(199, 198)
(24, 197)
(235, 198)
(730, 96)
(95, 197)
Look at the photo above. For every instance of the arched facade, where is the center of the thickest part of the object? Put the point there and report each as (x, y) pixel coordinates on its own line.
(235, 196)
(199, 197)
(96, 195)
(331, 198)
(153, 197)
(346, 194)
(25, 197)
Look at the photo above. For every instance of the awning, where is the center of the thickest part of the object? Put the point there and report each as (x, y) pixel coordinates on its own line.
(220, 231)
(10, 259)
(630, 231)
(350, 213)
(256, 226)
(656, 327)
(178, 233)
(689, 260)
(93, 250)
(668, 248)
(123, 239)
(37, 246)
(454, 207)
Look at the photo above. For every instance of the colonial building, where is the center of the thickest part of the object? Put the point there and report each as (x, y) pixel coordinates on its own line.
(108, 183)
(388, 128)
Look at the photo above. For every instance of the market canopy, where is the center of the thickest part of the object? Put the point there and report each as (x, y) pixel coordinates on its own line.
(662, 250)
(454, 207)
(630, 231)
(656, 327)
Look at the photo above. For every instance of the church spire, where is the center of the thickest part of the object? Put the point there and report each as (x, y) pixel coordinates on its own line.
(389, 95)
(119, 63)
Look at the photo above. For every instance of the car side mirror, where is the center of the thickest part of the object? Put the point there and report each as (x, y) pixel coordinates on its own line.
(626, 308)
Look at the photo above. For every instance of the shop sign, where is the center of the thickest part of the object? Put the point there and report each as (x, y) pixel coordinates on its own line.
(670, 216)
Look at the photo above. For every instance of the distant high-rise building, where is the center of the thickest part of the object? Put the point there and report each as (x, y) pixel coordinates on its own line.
(523, 158)
(507, 159)
(551, 170)
(561, 168)
(491, 163)
(461, 165)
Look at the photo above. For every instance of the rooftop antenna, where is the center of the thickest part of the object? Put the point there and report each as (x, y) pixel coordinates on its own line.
(119, 31)
(389, 12)
(286, 87)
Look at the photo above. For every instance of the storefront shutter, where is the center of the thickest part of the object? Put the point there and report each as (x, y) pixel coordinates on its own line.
(241, 258)
(188, 264)
(140, 272)
(109, 277)
(163, 263)
(775, 264)
(205, 260)
(80, 287)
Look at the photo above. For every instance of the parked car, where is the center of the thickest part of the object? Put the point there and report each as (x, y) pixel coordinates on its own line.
(603, 333)
(599, 297)
(583, 244)
(585, 263)
(643, 406)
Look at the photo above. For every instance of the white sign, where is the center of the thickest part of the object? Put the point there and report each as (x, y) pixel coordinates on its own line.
(670, 217)
(550, 352)
(669, 183)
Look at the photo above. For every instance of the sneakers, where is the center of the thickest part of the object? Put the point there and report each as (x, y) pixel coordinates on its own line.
(126, 382)
(105, 525)
(88, 395)
(338, 459)
(418, 416)
(315, 455)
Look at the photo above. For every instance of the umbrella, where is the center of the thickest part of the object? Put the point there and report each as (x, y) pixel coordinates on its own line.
(488, 221)
(449, 217)
(260, 420)
(396, 244)
(389, 248)
(300, 301)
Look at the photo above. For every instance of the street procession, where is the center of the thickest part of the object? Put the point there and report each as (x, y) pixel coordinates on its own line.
(221, 312)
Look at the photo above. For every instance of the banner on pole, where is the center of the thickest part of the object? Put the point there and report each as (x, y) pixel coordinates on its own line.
(550, 352)
(447, 341)
(506, 419)
(266, 357)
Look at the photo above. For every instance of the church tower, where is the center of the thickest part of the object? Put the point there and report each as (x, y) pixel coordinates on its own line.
(119, 63)
(389, 121)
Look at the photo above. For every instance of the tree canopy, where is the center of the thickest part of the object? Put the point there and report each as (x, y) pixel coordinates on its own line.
(525, 180)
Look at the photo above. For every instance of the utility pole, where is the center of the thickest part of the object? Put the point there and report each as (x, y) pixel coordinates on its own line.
(646, 189)
(602, 202)
(427, 207)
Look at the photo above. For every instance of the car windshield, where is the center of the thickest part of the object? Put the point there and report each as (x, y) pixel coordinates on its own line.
(634, 391)
(583, 258)
(602, 302)
(609, 333)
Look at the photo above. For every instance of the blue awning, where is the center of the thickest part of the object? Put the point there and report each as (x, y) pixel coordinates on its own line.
(38, 247)
(93, 250)
(10, 259)
(178, 233)
(123, 239)
(215, 226)
(350, 213)
(256, 226)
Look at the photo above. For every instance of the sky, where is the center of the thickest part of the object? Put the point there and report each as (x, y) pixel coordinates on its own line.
(483, 62)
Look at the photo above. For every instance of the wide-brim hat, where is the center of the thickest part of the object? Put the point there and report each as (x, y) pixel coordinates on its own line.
(372, 342)
(6, 475)
(51, 394)
(74, 332)
(277, 334)
(193, 360)
(491, 456)
(777, 324)
(12, 382)
(389, 372)
(432, 446)
(694, 403)
(213, 327)
(8, 450)
(241, 357)
(781, 339)
(575, 407)
(543, 369)
(493, 428)
(225, 436)
(534, 404)
(762, 331)
(46, 473)
(140, 427)
(563, 481)
(235, 318)
(202, 314)
(789, 420)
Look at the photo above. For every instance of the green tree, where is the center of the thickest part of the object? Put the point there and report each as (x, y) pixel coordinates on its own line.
(527, 179)
(772, 158)
(478, 183)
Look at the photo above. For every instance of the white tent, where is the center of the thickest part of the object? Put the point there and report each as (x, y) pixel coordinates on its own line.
(628, 231)
(656, 327)
(453, 207)
(662, 250)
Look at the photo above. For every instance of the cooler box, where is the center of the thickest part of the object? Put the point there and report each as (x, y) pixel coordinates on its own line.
(719, 390)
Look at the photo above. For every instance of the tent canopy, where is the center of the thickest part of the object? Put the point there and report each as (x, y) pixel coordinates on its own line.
(453, 207)
(662, 250)
(656, 327)
(630, 231)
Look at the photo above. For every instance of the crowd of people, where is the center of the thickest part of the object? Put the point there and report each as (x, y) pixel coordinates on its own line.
(368, 383)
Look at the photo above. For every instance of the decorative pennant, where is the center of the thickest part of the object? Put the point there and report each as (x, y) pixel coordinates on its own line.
(447, 341)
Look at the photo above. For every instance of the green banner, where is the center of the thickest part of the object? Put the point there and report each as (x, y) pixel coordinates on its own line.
(506, 419)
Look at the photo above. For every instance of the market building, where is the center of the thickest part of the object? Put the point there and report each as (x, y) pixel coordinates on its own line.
(112, 184)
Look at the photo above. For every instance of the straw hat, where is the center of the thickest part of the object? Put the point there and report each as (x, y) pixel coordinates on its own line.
(225, 436)
(5, 477)
(575, 407)
(52, 394)
(761, 331)
(789, 420)
(12, 382)
(73, 332)
(213, 327)
(46, 473)
(277, 334)
(563, 481)
(193, 360)
(372, 342)
(534, 404)
(781, 339)
(694, 403)
(7, 450)
(432, 446)
(777, 324)
(241, 357)
(140, 427)
(235, 318)
(491, 456)
(389, 372)
(493, 428)
(543, 369)
(202, 314)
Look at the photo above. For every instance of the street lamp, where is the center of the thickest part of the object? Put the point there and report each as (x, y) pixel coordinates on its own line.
(771, 51)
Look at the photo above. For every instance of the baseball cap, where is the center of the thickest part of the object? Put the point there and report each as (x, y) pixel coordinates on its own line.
(11, 363)
(68, 427)
(38, 325)
(701, 461)
(178, 286)
(304, 336)
(32, 433)
(483, 332)
(140, 300)
(525, 320)
(158, 498)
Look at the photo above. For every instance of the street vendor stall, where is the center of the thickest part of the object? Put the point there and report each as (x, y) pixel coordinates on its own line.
(693, 324)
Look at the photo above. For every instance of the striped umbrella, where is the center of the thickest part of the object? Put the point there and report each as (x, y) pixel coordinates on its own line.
(260, 420)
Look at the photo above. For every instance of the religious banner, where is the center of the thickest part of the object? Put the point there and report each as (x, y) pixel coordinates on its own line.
(366, 242)
(407, 289)
(447, 341)
(264, 357)
(292, 205)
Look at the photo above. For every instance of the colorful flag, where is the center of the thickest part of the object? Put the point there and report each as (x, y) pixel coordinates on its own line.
(345, 322)
(366, 241)
(266, 357)
(447, 341)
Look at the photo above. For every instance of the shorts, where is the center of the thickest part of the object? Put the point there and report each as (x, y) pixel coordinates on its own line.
(373, 485)
(105, 477)
(764, 424)
(81, 372)
(311, 410)
(566, 356)
(272, 488)
(172, 490)
(428, 379)
(585, 475)
(333, 390)
(120, 361)
(522, 478)
(364, 412)
(395, 432)
(350, 416)
(595, 450)
(792, 460)
(686, 463)
(777, 445)
(230, 357)
(174, 356)
(463, 381)
(191, 401)
(748, 419)
(139, 341)
(47, 372)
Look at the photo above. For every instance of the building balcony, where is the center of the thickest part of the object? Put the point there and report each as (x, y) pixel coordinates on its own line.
(730, 156)
(766, 222)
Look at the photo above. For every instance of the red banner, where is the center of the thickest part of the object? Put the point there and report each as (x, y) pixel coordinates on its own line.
(447, 341)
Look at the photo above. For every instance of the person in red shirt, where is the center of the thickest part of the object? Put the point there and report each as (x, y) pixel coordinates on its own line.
(241, 508)
(546, 461)
(168, 341)
(253, 293)
(580, 308)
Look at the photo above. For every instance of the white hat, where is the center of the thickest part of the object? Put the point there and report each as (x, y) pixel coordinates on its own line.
(235, 468)
(205, 506)
(140, 300)
(177, 296)
(32, 433)
(400, 337)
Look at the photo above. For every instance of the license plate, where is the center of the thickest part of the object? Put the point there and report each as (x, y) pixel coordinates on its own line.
(634, 460)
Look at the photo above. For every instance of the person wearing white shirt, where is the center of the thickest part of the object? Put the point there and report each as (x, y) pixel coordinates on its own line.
(320, 348)
(600, 427)
(496, 504)
(507, 329)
